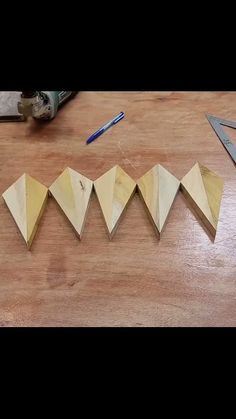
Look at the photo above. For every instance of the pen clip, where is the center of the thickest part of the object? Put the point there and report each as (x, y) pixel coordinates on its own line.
(119, 117)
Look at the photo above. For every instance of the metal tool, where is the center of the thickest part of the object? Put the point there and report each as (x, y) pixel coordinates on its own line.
(224, 138)
(42, 105)
(8, 107)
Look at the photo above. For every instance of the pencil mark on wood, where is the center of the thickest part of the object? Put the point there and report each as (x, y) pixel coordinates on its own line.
(125, 157)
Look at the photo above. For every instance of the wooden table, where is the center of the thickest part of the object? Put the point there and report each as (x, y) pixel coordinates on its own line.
(134, 280)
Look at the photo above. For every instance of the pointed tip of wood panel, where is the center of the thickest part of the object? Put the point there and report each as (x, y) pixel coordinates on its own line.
(114, 190)
(168, 189)
(72, 191)
(158, 189)
(203, 188)
(26, 199)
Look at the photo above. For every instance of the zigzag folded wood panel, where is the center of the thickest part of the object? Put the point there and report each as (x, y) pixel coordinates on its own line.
(26, 200)
(158, 189)
(203, 189)
(114, 191)
(72, 191)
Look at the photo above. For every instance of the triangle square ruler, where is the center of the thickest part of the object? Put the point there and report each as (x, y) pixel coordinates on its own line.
(216, 124)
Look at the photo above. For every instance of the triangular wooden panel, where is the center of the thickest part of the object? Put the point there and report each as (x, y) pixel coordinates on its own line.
(158, 189)
(114, 191)
(204, 189)
(72, 191)
(26, 200)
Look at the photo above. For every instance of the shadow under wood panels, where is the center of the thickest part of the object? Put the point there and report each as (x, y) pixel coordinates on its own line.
(203, 189)
(26, 200)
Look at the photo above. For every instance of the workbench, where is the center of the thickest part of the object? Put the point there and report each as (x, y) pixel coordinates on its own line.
(185, 279)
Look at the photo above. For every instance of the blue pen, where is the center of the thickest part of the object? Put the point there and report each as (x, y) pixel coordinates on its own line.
(101, 130)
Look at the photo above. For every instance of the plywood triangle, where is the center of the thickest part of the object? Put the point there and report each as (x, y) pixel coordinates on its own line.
(26, 200)
(204, 189)
(114, 190)
(72, 191)
(158, 189)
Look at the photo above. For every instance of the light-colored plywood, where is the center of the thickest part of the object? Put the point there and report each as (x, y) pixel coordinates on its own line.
(114, 190)
(72, 191)
(26, 200)
(203, 189)
(158, 189)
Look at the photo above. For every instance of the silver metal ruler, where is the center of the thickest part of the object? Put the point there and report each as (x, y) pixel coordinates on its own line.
(216, 124)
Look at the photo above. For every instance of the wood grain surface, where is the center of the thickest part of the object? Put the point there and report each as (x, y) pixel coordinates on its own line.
(26, 200)
(203, 189)
(134, 280)
(158, 189)
(73, 191)
(114, 190)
